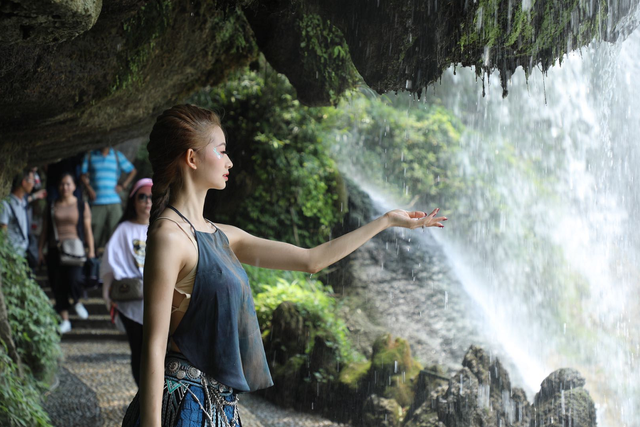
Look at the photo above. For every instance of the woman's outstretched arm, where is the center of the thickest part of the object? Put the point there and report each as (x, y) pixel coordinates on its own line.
(283, 256)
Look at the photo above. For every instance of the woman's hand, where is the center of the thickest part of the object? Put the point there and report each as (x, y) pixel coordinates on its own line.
(415, 219)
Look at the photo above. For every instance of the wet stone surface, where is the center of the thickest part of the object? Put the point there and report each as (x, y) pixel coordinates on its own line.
(410, 291)
(95, 387)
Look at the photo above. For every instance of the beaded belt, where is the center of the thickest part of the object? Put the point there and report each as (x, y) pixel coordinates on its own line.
(177, 366)
(217, 395)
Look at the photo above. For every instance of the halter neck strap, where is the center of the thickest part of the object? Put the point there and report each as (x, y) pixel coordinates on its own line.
(183, 217)
(189, 222)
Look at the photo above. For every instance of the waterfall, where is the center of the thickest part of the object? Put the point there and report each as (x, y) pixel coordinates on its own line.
(553, 270)
(580, 123)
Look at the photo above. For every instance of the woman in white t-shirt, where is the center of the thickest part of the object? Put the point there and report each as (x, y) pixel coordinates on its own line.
(123, 258)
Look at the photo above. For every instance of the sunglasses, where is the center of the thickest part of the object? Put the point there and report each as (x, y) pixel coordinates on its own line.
(143, 197)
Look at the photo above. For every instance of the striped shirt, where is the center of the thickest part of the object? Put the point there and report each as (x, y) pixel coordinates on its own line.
(104, 173)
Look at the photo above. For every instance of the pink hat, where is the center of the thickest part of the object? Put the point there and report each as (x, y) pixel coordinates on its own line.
(144, 182)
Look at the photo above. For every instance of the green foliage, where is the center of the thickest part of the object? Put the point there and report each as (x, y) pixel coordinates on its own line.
(312, 299)
(31, 317)
(34, 330)
(326, 51)
(540, 33)
(410, 152)
(286, 185)
(19, 398)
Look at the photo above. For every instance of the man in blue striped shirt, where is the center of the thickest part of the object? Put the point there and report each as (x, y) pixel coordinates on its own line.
(101, 170)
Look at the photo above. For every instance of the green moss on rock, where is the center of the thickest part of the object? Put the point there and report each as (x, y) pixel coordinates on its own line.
(326, 53)
(393, 370)
(352, 374)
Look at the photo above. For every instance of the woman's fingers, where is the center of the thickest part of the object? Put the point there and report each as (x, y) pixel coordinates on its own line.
(429, 221)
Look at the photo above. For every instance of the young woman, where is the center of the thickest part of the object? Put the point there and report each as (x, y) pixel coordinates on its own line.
(71, 219)
(123, 258)
(196, 291)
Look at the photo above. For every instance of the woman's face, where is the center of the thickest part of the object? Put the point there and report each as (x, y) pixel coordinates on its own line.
(143, 204)
(66, 186)
(216, 160)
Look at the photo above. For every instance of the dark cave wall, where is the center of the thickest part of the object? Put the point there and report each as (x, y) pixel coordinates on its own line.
(64, 90)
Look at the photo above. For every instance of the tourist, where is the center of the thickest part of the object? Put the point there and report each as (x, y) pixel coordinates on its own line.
(123, 260)
(14, 216)
(197, 294)
(101, 170)
(68, 219)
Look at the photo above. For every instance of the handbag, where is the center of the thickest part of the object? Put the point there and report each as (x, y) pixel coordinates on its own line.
(127, 289)
(71, 250)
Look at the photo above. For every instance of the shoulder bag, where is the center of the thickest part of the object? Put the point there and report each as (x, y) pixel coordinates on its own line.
(72, 251)
(128, 289)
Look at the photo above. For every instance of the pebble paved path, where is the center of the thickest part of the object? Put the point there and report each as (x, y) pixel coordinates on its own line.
(95, 387)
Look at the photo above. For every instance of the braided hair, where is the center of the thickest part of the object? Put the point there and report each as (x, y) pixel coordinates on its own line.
(175, 131)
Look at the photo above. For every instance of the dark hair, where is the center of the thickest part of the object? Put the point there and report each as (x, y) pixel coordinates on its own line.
(175, 131)
(130, 210)
(18, 178)
(66, 174)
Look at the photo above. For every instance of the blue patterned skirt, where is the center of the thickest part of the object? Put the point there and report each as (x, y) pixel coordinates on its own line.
(190, 398)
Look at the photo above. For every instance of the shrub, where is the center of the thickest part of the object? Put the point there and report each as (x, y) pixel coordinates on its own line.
(31, 317)
(312, 299)
(19, 398)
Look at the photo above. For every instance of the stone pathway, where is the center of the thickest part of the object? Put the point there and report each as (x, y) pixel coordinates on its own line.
(95, 386)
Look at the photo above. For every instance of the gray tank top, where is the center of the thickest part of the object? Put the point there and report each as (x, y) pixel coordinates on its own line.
(219, 333)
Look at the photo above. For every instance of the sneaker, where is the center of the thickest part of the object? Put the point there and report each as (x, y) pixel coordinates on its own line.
(64, 327)
(81, 311)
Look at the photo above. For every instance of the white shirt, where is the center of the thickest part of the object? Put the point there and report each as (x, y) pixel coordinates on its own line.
(124, 258)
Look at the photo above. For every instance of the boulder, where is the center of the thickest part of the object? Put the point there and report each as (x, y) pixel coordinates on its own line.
(393, 370)
(381, 412)
(562, 401)
(480, 394)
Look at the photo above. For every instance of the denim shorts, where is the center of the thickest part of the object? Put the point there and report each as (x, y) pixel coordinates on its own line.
(190, 398)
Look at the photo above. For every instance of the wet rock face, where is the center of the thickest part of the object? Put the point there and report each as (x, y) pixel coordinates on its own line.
(479, 394)
(562, 401)
(381, 412)
(26, 22)
(107, 85)
(79, 74)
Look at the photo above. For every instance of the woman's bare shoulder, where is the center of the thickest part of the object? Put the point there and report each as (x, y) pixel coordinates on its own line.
(231, 231)
(163, 232)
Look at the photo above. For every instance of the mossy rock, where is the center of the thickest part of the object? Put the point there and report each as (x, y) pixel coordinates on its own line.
(354, 373)
(393, 371)
(424, 416)
(431, 383)
(381, 412)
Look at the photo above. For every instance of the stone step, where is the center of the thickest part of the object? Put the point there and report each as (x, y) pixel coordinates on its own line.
(93, 306)
(91, 293)
(95, 321)
(79, 334)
